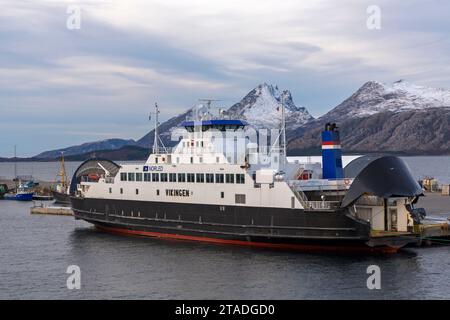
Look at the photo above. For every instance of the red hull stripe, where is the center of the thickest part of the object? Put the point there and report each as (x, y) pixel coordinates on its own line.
(331, 143)
(287, 246)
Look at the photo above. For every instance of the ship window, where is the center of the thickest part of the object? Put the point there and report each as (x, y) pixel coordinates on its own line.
(130, 176)
(190, 177)
(172, 177)
(156, 159)
(181, 177)
(239, 198)
(192, 159)
(110, 190)
(200, 177)
(121, 191)
(217, 159)
(147, 176)
(155, 177)
(200, 159)
(178, 160)
(137, 191)
(163, 177)
(222, 194)
(138, 176)
(123, 176)
(219, 178)
(229, 178)
(240, 178)
(201, 143)
(209, 178)
(157, 192)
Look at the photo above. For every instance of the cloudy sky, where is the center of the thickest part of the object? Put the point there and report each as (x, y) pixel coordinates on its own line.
(60, 86)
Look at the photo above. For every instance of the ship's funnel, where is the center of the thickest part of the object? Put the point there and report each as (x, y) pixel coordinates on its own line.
(331, 153)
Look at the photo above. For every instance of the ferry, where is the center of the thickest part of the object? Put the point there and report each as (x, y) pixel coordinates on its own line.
(252, 196)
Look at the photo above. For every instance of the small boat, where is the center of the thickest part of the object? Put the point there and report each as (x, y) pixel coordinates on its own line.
(23, 193)
(42, 197)
(3, 190)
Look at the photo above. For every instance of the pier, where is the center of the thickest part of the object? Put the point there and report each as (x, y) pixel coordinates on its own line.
(51, 210)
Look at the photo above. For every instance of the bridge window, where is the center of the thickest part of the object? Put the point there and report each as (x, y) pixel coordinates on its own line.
(172, 177)
(138, 176)
(240, 178)
(190, 177)
(219, 178)
(163, 177)
(200, 177)
(209, 178)
(130, 176)
(181, 177)
(240, 198)
(147, 177)
(155, 177)
(123, 176)
(229, 178)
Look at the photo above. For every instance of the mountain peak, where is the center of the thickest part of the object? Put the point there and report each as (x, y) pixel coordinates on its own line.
(261, 107)
(375, 97)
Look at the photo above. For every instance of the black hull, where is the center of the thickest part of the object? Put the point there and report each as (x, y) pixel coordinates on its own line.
(254, 226)
(61, 198)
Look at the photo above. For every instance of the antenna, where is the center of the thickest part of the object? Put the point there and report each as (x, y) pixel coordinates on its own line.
(208, 101)
(283, 119)
(156, 137)
(15, 164)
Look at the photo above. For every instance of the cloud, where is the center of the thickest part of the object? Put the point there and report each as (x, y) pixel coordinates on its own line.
(129, 54)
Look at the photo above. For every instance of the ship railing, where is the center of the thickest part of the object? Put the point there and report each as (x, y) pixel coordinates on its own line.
(268, 150)
(312, 205)
(320, 184)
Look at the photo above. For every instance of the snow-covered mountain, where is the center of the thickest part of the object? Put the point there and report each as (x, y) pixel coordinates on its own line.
(261, 107)
(375, 97)
(401, 117)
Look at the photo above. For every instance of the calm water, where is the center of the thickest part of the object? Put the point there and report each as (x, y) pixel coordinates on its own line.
(35, 252)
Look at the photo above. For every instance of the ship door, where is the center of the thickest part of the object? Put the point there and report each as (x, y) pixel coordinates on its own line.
(393, 217)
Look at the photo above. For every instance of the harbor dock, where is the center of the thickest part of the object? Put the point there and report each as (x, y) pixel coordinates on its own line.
(52, 210)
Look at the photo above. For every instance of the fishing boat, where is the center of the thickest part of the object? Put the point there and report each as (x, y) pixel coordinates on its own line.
(24, 192)
(61, 193)
(251, 196)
